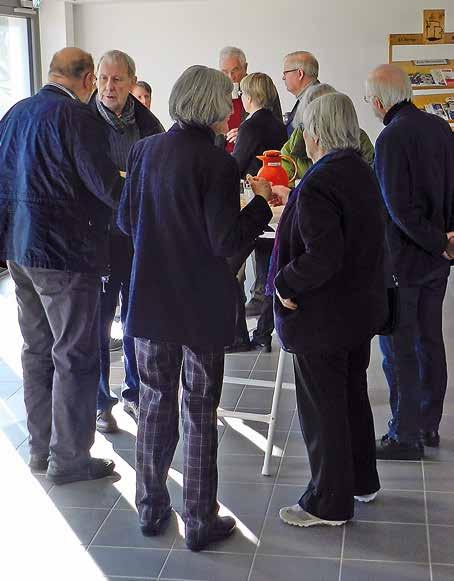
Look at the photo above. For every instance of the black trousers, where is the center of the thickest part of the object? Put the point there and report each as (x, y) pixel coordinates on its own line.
(160, 366)
(338, 428)
(235, 263)
(59, 322)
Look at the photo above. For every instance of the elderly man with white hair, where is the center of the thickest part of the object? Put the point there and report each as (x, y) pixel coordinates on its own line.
(300, 72)
(414, 161)
(327, 272)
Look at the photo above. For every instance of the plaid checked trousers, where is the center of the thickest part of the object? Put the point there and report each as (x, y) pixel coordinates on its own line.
(160, 365)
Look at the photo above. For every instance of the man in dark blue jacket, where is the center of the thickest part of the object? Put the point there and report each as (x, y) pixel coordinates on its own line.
(126, 121)
(414, 161)
(57, 189)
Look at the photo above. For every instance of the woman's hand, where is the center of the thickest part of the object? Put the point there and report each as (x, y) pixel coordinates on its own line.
(279, 196)
(260, 187)
(449, 252)
(287, 303)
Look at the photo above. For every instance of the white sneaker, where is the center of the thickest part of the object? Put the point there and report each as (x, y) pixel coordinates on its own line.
(366, 497)
(296, 516)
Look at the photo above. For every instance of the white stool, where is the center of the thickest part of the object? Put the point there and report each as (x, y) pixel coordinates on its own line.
(270, 418)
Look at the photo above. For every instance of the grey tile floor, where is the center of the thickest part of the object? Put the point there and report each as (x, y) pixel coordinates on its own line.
(406, 534)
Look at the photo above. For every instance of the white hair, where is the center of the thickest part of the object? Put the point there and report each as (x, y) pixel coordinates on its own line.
(233, 51)
(116, 56)
(302, 59)
(201, 96)
(331, 119)
(390, 84)
(312, 92)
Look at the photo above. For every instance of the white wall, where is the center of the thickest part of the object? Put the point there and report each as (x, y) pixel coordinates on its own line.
(164, 37)
(56, 30)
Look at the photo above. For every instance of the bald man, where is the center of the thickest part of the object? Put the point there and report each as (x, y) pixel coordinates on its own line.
(300, 71)
(57, 189)
(414, 162)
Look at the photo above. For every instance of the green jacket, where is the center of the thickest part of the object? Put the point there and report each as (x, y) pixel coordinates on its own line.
(296, 149)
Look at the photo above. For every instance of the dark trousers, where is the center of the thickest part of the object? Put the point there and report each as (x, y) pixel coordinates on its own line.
(235, 263)
(414, 362)
(338, 428)
(117, 285)
(265, 322)
(58, 318)
(160, 366)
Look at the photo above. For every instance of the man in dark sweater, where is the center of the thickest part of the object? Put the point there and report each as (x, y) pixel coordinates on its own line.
(127, 121)
(414, 161)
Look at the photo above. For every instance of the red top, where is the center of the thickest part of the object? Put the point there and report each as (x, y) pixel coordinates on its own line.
(235, 120)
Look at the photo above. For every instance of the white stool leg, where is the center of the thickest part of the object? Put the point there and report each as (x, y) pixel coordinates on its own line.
(274, 409)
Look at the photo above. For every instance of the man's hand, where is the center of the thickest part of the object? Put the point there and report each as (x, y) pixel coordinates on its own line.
(232, 135)
(287, 303)
(260, 187)
(449, 252)
(279, 196)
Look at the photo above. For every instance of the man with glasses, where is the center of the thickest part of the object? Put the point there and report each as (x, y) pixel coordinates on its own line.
(300, 71)
(414, 162)
(126, 121)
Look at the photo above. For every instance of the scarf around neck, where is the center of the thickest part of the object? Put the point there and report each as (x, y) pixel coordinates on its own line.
(121, 123)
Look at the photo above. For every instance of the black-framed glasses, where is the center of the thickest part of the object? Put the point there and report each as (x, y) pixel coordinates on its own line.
(368, 98)
(288, 71)
(240, 92)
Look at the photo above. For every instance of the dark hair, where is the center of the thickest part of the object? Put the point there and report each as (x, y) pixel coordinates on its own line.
(74, 69)
(145, 86)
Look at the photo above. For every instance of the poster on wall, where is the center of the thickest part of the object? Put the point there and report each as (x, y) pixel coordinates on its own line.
(434, 26)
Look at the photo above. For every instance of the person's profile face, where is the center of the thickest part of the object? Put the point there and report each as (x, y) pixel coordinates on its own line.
(142, 95)
(232, 68)
(114, 85)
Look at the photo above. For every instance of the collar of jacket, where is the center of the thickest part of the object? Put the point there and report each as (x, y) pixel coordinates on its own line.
(200, 129)
(60, 88)
(395, 109)
(147, 122)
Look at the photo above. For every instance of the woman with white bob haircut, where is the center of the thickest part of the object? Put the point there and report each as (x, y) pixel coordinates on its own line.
(330, 300)
(181, 206)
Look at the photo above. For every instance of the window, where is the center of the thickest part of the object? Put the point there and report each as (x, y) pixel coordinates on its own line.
(19, 54)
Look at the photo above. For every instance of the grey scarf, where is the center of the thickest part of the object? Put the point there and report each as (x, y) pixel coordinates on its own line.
(120, 124)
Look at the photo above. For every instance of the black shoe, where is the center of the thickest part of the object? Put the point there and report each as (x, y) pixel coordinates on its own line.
(221, 528)
(253, 308)
(264, 344)
(155, 526)
(38, 462)
(105, 422)
(132, 409)
(430, 439)
(115, 344)
(240, 347)
(95, 469)
(389, 449)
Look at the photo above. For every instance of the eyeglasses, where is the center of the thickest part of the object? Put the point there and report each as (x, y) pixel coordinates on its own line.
(240, 92)
(368, 98)
(289, 71)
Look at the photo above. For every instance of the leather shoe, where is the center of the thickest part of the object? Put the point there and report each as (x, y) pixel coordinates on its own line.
(264, 344)
(95, 469)
(38, 462)
(132, 409)
(115, 344)
(155, 526)
(430, 439)
(239, 347)
(389, 449)
(105, 422)
(220, 529)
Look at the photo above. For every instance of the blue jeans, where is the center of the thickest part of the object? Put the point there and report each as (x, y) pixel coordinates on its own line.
(414, 362)
(117, 285)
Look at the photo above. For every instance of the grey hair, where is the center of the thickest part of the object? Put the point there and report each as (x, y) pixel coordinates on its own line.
(201, 96)
(312, 92)
(306, 61)
(233, 51)
(390, 84)
(331, 119)
(119, 56)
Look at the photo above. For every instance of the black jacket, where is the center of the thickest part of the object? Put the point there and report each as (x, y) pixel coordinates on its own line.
(330, 259)
(414, 161)
(258, 133)
(181, 205)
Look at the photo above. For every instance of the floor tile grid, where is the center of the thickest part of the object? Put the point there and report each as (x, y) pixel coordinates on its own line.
(112, 508)
(426, 514)
(267, 510)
